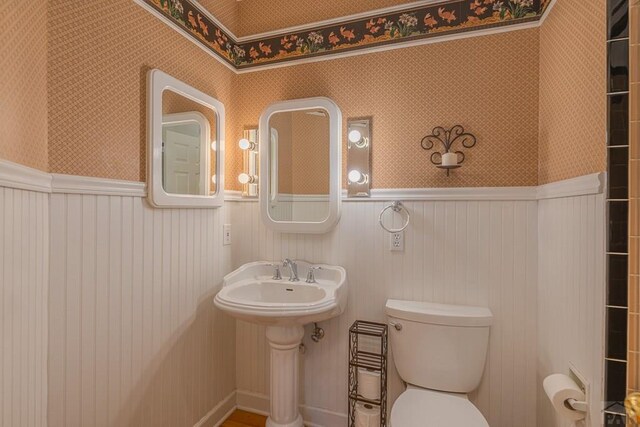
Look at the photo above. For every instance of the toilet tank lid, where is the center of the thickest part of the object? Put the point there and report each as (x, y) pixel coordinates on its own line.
(439, 314)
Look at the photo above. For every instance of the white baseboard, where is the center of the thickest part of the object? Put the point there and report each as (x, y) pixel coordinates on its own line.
(313, 417)
(219, 413)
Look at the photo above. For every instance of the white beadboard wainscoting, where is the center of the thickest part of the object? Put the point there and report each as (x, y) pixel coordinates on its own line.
(460, 252)
(117, 297)
(24, 278)
(134, 338)
(571, 298)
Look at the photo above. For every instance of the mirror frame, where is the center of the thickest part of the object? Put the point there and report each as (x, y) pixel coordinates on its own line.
(335, 165)
(157, 82)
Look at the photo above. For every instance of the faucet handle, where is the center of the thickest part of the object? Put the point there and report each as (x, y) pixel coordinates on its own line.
(311, 278)
(276, 271)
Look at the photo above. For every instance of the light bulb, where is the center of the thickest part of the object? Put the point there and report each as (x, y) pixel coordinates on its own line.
(355, 136)
(213, 145)
(245, 178)
(244, 144)
(355, 176)
(213, 179)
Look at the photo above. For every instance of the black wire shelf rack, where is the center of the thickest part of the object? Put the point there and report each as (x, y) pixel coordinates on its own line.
(368, 347)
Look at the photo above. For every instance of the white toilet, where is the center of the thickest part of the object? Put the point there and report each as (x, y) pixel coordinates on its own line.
(439, 351)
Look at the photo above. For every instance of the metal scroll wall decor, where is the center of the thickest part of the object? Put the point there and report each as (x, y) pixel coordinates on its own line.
(448, 159)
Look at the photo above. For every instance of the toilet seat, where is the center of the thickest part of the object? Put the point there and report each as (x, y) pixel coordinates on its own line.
(419, 407)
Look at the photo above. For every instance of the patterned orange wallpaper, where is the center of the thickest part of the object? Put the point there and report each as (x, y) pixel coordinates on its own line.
(225, 11)
(23, 84)
(97, 84)
(487, 84)
(572, 91)
(259, 16)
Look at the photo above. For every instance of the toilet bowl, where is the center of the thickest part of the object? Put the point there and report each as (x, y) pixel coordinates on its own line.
(439, 350)
(421, 407)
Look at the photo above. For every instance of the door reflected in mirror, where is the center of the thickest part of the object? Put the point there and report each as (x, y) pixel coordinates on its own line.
(299, 167)
(188, 135)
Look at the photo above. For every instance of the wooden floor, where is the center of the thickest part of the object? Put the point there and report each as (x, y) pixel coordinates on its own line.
(244, 419)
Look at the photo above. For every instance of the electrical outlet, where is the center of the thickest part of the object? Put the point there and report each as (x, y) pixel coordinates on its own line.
(396, 242)
(226, 234)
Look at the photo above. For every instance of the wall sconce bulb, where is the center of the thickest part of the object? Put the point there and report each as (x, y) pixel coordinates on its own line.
(356, 138)
(356, 177)
(245, 144)
(245, 178)
(213, 145)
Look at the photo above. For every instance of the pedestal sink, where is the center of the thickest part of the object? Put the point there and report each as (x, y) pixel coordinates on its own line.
(251, 293)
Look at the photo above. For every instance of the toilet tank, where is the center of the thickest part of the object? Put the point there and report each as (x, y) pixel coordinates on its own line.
(439, 346)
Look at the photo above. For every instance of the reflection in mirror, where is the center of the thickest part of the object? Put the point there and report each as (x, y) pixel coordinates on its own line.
(188, 135)
(299, 174)
(185, 144)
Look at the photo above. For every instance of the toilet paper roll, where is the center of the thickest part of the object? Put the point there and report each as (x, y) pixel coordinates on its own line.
(367, 415)
(369, 384)
(559, 388)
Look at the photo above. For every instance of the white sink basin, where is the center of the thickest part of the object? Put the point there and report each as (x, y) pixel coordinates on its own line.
(251, 294)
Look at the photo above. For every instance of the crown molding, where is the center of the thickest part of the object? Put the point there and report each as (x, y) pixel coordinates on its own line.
(199, 33)
(546, 12)
(330, 22)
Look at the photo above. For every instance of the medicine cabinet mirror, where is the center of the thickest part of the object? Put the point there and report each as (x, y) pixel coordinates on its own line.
(185, 144)
(300, 165)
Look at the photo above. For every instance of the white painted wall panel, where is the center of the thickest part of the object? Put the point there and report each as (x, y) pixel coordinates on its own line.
(475, 252)
(24, 243)
(571, 293)
(134, 336)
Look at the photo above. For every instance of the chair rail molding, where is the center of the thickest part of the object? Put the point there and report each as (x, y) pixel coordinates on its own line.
(14, 175)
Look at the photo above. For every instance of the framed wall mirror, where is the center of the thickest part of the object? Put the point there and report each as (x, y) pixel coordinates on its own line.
(301, 165)
(185, 157)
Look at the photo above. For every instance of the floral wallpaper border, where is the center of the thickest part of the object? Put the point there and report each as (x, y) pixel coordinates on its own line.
(434, 20)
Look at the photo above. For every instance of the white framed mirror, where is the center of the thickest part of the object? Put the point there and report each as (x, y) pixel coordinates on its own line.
(185, 154)
(301, 165)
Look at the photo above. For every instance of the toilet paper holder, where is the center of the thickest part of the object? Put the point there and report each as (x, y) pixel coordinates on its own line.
(577, 405)
(574, 404)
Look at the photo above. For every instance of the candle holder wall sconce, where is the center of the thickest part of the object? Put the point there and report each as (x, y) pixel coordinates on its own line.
(448, 159)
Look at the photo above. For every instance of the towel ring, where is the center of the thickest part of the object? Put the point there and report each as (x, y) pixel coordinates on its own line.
(397, 207)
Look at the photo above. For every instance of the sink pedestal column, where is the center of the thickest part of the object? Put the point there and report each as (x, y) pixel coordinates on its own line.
(284, 342)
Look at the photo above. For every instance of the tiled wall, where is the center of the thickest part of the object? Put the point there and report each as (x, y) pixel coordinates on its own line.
(633, 375)
(617, 302)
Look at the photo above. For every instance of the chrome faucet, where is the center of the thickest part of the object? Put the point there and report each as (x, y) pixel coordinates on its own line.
(293, 268)
(311, 278)
(276, 271)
